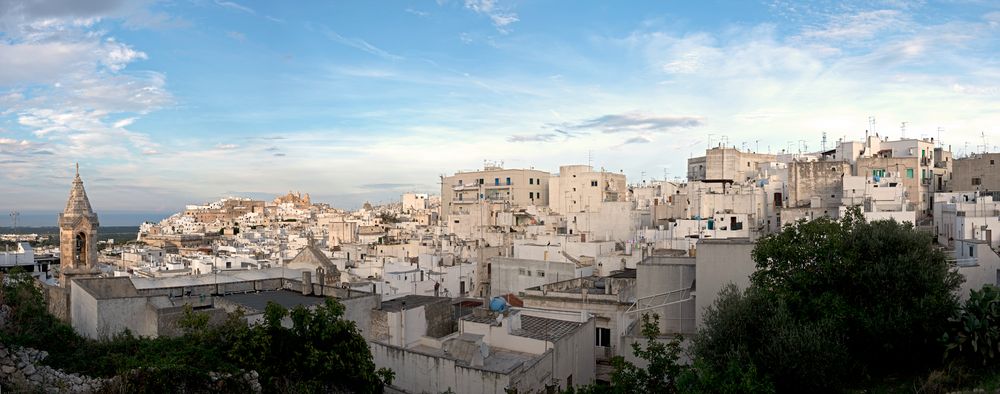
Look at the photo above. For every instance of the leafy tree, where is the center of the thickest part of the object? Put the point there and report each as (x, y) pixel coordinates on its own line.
(831, 306)
(882, 284)
(751, 343)
(320, 352)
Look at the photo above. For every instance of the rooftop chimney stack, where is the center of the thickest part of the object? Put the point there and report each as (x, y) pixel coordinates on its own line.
(306, 283)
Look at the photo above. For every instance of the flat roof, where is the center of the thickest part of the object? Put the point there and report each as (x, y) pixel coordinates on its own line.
(286, 298)
(242, 275)
(411, 301)
(545, 329)
(627, 273)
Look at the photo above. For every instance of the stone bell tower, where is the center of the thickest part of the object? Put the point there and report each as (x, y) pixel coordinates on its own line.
(77, 235)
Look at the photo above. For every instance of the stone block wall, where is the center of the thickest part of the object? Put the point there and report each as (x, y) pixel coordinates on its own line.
(20, 369)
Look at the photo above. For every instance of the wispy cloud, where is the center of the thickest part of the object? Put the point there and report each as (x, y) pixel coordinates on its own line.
(540, 137)
(419, 13)
(860, 25)
(501, 16)
(235, 6)
(638, 140)
(236, 36)
(617, 123)
(356, 43)
(388, 186)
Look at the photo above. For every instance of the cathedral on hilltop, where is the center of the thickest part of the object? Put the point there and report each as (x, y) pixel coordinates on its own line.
(77, 235)
(296, 199)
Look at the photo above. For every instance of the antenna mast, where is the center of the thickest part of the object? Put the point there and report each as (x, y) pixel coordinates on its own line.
(902, 130)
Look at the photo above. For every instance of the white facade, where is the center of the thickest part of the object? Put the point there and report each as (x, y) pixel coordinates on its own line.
(517, 352)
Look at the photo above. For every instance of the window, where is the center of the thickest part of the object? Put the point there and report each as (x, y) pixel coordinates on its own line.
(976, 181)
(482, 181)
(531, 181)
(460, 182)
(923, 173)
(603, 337)
(531, 195)
(496, 181)
(508, 181)
(991, 162)
(972, 252)
(593, 183)
(909, 173)
(520, 271)
(459, 196)
(229, 264)
(540, 273)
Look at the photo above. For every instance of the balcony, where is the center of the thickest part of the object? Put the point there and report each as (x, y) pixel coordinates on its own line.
(459, 188)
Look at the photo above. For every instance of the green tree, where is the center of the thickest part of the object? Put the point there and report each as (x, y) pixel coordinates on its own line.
(751, 343)
(320, 352)
(833, 305)
(882, 283)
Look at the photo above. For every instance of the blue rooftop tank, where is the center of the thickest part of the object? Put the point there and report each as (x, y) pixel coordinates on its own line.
(498, 304)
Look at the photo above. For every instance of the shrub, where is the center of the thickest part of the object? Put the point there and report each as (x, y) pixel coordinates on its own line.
(975, 330)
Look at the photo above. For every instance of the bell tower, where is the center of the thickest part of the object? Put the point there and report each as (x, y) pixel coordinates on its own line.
(77, 235)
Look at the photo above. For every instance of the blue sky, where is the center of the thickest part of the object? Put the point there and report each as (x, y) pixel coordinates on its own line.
(171, 102)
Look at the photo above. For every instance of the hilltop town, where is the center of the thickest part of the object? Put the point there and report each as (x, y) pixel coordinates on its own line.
(511, 277)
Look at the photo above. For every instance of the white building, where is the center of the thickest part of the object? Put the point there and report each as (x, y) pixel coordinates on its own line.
(414, 201)
(524, 351)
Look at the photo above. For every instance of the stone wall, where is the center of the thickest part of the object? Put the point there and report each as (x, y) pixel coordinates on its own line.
(440, 318)
(20, 369)
(379, 326)
(57, 299)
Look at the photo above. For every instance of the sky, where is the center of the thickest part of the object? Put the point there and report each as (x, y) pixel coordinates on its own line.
(167, 103)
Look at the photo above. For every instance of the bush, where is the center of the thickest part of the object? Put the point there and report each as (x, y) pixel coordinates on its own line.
(974, 334)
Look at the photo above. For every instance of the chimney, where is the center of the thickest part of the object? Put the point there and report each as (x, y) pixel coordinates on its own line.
(321, 278)
(306, 283)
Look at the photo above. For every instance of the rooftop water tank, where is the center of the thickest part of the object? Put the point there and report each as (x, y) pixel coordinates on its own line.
(498, 304)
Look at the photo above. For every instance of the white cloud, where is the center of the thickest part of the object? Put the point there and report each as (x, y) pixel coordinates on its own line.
(236, 36)
(862, 25)
(358, 43)
(65, 82)
(235, 6)
(501, 17)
